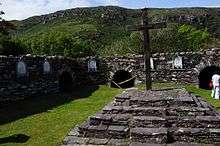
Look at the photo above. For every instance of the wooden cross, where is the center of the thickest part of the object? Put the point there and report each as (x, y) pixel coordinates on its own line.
(145, 27)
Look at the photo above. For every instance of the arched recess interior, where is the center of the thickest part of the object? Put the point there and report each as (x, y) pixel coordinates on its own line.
(65, 81)
(205, 76)
(121, 76)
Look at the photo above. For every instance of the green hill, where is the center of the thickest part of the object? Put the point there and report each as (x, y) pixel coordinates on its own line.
(102, 31)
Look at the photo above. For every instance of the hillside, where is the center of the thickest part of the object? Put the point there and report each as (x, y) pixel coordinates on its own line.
(102, 30)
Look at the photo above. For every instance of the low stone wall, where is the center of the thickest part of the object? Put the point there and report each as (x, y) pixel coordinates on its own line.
(36, 75)
(34, 78)
(163, 65)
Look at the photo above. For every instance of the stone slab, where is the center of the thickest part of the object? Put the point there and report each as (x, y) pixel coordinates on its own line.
(75, 140)
(200, 135)
(118, 132)
(149, 111)
(146, 144)
(149, 135)
(148, 122)
(97, 141)
(118, 142)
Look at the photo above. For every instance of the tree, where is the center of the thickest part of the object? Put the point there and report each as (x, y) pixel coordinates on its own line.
(7, 45)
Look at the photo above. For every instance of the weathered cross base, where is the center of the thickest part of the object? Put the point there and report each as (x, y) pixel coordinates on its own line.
(155, 117)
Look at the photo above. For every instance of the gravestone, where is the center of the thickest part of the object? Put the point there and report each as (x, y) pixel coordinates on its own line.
(178, 62)
(21, 69)
(92, 65)
(46, 67)
(151, 64)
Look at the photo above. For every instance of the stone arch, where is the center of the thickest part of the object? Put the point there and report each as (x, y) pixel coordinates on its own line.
(205, 76)
(121, 76)
(66, 80)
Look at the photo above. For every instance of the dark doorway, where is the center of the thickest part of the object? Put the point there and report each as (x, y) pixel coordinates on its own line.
(121, 76)
(205, 76)
(65, 82)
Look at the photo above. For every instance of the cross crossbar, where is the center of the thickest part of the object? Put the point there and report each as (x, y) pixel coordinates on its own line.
(145, 27)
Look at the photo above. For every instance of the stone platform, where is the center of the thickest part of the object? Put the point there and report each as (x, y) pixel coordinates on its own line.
(166, 117)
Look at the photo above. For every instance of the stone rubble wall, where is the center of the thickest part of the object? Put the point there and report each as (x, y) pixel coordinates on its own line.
(164, 70)
(37, 82)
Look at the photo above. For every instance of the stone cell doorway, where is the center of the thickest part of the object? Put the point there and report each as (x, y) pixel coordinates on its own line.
(121, 76)
(205, 76)
(65, 82)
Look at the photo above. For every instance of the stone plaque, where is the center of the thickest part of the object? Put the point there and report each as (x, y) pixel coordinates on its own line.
(21, 69)
(46, 67)
(151, 63)
(92, 65)
(178, 62)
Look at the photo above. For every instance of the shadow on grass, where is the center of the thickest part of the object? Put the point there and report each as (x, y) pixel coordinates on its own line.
(17, 138)
(34, 105)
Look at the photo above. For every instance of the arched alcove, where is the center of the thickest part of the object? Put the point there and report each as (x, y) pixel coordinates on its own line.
(205, 76)
(121, 76)
(65, 82)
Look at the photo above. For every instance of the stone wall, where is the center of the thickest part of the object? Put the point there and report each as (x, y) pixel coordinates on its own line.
(37, 81)
(40, 79)
(163, 68)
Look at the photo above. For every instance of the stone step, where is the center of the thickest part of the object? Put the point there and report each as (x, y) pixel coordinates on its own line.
(149, 135)
(146, 144)
(173, 144)
(149, 111)
(188, 111)
(110, 109)
(103, 131)
(148, 122)
(194, 122)
(74, 140)
(158, 111)
(110, 119)
(149, 102)
(165, 101)
(136, 111)
(185, 122)
(189, 144)
(98, 119)
(199, 135)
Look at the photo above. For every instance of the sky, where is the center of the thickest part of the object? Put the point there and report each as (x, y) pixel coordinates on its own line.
(22, 9)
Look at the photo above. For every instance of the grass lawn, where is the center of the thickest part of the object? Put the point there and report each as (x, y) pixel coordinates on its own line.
(206, 94)
(43, 123)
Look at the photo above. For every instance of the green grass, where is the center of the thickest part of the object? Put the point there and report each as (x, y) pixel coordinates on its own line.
(47, 120)
(205, 94)
(162, 85)
(49, 128)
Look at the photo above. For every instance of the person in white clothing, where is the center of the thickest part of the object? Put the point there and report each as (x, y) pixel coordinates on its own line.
(215, 86)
